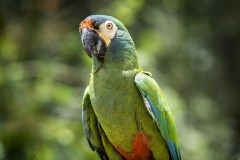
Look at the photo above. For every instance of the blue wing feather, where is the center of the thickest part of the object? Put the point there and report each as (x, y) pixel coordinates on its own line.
(159, 111)
(90, 127)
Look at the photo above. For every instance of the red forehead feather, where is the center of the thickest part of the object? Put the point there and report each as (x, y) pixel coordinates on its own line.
(86, 24)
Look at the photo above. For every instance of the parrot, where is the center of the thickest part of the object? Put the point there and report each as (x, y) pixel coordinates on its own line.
(125, 114)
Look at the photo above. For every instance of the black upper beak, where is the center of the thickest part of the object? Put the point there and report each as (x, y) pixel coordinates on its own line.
(93, 44)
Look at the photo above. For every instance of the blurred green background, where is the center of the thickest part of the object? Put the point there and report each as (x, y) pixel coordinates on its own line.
(191, 47)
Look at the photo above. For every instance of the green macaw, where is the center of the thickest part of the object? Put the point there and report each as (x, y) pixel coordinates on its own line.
(125, 114)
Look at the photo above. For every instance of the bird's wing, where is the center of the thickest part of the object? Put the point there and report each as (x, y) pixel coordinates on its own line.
(91, 127)
(157, 106)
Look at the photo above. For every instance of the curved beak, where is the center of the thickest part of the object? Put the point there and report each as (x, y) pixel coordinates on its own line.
(91, 40)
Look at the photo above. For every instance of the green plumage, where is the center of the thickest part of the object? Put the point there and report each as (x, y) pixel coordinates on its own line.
(122, 101)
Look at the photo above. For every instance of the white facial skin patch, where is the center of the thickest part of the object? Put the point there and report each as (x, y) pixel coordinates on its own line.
(107, 31)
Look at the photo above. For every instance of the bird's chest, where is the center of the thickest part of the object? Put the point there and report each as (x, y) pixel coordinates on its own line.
(115, 101)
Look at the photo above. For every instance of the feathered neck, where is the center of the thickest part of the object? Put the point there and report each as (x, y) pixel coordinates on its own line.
(121, 55)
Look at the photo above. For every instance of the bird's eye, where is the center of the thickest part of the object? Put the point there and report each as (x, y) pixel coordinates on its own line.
(108, 29)
(109, 25)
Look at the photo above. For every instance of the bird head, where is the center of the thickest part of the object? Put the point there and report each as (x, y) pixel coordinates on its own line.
(104, 34)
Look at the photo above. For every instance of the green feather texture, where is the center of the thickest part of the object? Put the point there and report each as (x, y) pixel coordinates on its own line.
(157, 106)
(125, 114)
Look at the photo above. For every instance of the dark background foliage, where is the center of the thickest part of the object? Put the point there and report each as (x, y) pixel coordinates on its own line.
(191, 47)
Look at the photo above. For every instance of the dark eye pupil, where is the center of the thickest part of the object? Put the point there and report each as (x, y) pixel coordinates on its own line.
(109, 26)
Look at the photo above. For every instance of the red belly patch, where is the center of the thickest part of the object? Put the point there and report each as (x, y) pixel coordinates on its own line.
(140, 148)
